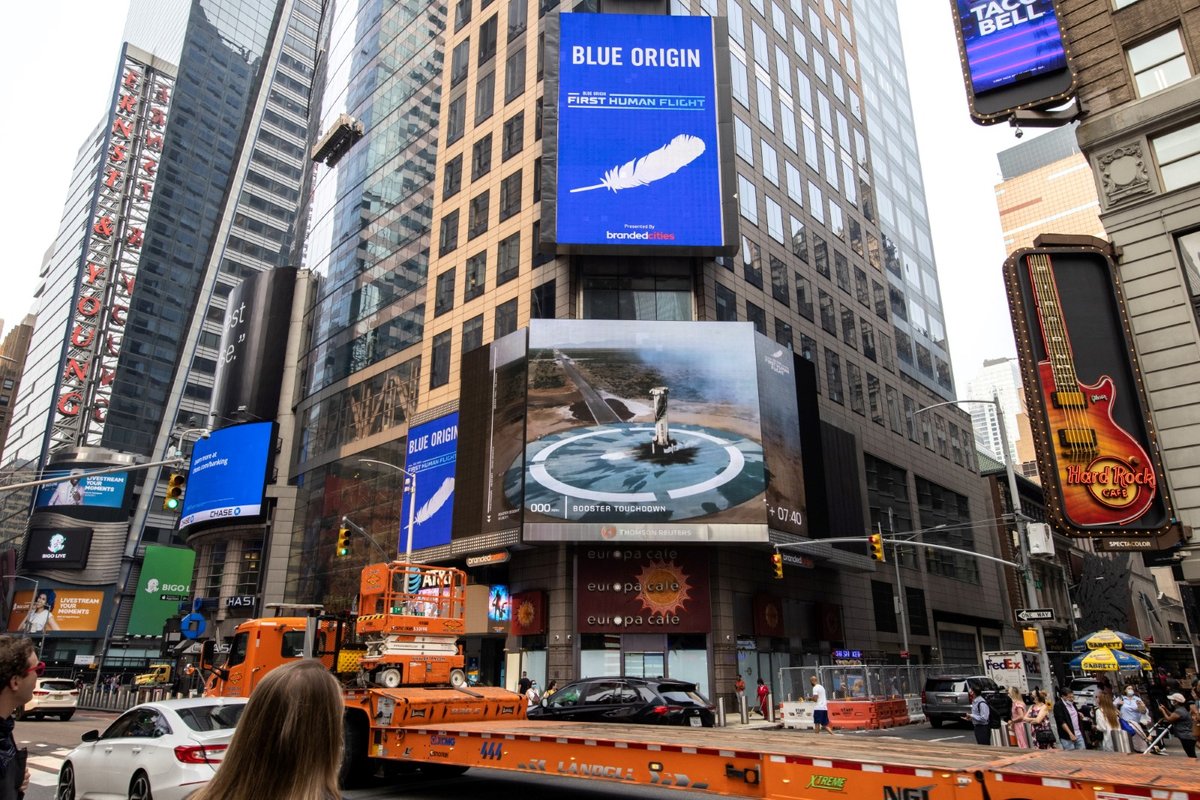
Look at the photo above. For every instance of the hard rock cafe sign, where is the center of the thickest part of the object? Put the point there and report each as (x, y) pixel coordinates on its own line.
(114, 238)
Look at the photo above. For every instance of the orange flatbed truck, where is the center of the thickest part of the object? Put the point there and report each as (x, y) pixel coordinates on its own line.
(447, 729)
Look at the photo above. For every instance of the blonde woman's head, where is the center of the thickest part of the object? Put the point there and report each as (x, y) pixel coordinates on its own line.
(288, 743)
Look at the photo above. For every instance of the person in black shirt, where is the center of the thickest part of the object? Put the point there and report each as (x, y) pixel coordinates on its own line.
(19, 671)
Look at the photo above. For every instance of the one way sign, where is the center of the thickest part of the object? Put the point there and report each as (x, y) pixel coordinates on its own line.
(1035, 615)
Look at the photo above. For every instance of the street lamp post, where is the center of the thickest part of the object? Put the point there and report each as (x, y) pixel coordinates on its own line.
(410, 486)
(1021, 523)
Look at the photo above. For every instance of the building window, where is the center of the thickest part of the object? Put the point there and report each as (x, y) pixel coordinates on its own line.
(821, 256)
(485, 97)
(506, 319)
(1159, 63)
(748, 199)
(833, 374)
(540, 256)
(452, 177)
(456, 119)
(868, 338)
(783, 333)
(779, 281)
(462, 13)
(513, 139)
(444, 296)
(1178, 156)
(804, 301)
(518, 14)
(893, 408)
(460, 62)
(510, 195)
(940, 506)
(477, 222)
(910, 421)
(752, 263)
(541, 301)
(487, 40)
(856, 388)
(472, 333)
(757, 316)
(799, 240)
(514, 75)
(248, 575)
(874, 401)
(537, 179)
(448, 236)
(661, 297)
(476, 276)
(726, 304)
(439, 373)
(508, 259)
(481, 157)
(828, 313)
(849, 327)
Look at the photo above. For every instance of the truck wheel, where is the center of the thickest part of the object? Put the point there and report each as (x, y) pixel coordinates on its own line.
(458, 678)
(389, 678)
(355, 768)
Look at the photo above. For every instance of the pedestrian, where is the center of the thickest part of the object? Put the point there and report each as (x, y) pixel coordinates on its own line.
(1066, 722)
(1107, 721)
(288, 742)
(980, 716)
(821, 709)
(19, 671)
(1018, 720)
(523, 684)
(1180, 718)
(739, 689)
(551, 687)
(1041, 720)
(763, 701)
(532, 696)
(1134, 717)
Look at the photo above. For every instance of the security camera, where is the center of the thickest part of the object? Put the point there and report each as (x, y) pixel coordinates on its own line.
(1018, 133)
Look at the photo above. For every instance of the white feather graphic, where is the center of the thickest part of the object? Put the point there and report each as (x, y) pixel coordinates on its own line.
(666, 160)
(434, 503)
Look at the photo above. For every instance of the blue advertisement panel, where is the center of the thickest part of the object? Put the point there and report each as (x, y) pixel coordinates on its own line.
(77, 489)
(638, 155)
(1009, 42)
(431, 457)
(228, 473)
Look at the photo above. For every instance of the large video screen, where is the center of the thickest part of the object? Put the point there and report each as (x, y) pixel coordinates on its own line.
(61, 548)
(655, 431)
(431, 451)
(638, 130)
(228, 474)
(1010, 42)
(57, 610)
(80, 490)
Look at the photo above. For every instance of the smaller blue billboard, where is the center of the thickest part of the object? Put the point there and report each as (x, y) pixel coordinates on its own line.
(638, 150)
(1010, 42)
(78, 489)
(431, 454)
(228, 474)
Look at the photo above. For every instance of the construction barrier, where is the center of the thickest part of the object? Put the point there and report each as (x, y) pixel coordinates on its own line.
(797, 715)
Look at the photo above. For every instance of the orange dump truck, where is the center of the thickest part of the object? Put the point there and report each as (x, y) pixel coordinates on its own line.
(446, 728)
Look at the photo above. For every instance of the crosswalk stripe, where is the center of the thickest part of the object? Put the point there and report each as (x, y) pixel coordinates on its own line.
(43, 769)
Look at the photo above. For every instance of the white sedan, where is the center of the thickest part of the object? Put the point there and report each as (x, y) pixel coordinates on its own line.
(155, 751)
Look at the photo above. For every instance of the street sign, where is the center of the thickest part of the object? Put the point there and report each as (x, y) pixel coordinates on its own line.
(1035, 615)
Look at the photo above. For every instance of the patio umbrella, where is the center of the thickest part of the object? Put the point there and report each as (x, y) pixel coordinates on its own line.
(1108, 638)
(1104, 659)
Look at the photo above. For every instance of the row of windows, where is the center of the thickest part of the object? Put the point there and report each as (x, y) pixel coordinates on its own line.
(479, 211)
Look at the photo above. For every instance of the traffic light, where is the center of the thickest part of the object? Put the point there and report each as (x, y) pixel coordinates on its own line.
(343, 542)
(1030, 638)
(174, 499)
(875, 547)
(777, 564)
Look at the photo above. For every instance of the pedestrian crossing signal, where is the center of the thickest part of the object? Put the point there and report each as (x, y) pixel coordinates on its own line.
(343, 542)
(777, 565)
(175, 485)
(875, 547)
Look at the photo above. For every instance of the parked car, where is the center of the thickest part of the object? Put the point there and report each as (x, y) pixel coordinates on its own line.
(163, 751)
(649, 701)
(944, 697)
(52, 697)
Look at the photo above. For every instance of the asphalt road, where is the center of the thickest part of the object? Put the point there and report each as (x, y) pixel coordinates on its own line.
(49, 741)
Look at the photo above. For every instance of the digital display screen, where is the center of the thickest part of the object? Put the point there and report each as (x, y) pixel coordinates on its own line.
(228, 474)
(58, 547)
(1009, 42)
(431, 452)
(637, 131)
(78, 489)
(499, 604)
(57, 610)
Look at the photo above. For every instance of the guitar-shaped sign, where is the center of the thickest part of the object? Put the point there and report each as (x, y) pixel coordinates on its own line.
(1104, 474)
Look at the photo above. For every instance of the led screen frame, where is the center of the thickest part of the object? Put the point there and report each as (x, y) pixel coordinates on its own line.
(223, 485)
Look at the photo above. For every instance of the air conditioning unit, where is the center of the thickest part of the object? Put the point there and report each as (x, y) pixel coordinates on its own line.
(1041, 540)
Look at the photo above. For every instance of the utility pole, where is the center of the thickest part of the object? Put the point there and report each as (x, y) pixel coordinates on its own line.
(901, 598)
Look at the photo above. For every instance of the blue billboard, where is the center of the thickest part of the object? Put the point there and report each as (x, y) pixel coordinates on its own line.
(228, 474)
(1009, 42)
(78, 489)
(432, 450)
(638, 151)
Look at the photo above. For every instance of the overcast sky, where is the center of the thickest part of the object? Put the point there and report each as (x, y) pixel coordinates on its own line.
(56, 94)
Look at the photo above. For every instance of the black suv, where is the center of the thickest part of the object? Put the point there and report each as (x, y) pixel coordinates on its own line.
(944, 698)
(648, 701)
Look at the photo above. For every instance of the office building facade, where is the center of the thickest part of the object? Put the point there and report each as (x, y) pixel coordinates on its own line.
(428, 240)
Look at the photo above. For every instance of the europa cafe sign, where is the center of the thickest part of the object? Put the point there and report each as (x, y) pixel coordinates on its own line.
(115, 235)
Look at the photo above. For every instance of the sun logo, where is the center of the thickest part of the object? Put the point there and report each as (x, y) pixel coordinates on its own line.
(526, 613)
(665, 587)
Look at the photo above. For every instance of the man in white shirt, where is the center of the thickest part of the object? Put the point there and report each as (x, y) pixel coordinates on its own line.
(821, 711)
